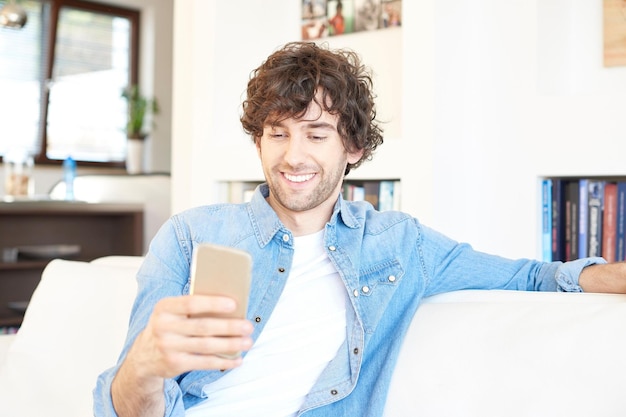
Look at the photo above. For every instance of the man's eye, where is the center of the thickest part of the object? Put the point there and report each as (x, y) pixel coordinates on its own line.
(277, 135)
(317, 138)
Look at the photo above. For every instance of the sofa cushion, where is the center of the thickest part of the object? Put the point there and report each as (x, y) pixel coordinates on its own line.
(513, 354)
(73, 329)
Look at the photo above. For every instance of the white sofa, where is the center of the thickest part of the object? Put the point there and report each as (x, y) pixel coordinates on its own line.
(468, 353)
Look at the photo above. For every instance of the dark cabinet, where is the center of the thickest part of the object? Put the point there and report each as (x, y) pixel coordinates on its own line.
(44, 230)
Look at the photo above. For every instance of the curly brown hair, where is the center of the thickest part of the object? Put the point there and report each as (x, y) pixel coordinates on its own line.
(287, 82)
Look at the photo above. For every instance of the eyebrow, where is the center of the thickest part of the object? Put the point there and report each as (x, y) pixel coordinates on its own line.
(321, 125)
(311, 125)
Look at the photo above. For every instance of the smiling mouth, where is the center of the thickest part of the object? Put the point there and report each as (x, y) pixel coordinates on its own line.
(299, 178)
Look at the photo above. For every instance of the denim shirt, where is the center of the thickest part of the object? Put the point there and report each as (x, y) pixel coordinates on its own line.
(387, 261)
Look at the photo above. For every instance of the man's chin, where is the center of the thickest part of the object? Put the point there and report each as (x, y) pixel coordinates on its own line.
(293, 201)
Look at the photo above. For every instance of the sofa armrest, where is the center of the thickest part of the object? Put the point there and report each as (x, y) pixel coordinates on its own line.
(73, 329)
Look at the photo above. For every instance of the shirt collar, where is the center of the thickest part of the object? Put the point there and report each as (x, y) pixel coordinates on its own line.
(266, 223)
(264, 219)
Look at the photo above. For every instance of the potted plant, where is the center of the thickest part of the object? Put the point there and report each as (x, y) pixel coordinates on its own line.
(139, 107)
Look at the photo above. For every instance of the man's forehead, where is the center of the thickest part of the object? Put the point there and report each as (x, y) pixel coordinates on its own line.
(314, 114)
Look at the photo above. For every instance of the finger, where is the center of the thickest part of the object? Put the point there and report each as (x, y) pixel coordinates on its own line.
(206, 336)
(214, 345)
(178, 354)
(213, 326)
(175, 362)
(189, 305)
(200, 335)
(164, 324)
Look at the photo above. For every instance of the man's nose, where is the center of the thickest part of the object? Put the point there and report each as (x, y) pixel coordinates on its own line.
(296, 150)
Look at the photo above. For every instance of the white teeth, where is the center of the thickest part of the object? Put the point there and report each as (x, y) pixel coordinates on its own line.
(299, 178)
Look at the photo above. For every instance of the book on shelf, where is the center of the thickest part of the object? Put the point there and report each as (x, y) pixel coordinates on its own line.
(546, 219)
(353, 192)
(594, 224)
(620, 235)
(386, 195)
(558, 219)
(571, 219)
(372, 190)
(397, 192)
(583, 216)
(609, 222)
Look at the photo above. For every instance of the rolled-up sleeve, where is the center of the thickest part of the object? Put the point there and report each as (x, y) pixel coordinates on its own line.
(567, 273)
(103, 404)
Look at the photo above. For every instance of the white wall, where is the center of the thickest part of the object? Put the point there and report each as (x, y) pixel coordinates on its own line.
(520, 93)
(495, 95)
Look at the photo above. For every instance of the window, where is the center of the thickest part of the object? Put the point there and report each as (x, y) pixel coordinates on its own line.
(61, 79)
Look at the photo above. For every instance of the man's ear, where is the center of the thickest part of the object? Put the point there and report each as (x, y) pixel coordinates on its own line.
(257, 143)
(353, 157)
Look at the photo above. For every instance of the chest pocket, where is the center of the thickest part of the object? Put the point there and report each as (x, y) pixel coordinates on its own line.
(378, 285)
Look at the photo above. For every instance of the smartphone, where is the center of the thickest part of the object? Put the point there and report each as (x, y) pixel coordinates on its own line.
(222, 270)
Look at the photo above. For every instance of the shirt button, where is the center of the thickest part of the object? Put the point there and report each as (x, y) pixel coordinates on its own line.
(365, 289)
(356, 351)
(392, 278)
(356, 293)
(281, 269)
(332, 248)
(257, 319)
(285, 237)
(334, 392)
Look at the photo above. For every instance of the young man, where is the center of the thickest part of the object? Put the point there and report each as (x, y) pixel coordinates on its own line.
(335, 283)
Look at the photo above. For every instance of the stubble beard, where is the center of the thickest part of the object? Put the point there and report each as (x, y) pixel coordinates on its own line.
(306, 200)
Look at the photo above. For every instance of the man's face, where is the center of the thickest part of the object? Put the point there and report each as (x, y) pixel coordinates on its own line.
(304, 161)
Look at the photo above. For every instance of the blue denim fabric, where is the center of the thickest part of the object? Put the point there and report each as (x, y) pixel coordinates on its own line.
(388, 262)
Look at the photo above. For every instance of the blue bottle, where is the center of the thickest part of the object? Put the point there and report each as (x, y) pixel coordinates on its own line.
(69, 173)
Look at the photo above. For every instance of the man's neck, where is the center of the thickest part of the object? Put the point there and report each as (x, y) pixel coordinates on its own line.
(304, 222)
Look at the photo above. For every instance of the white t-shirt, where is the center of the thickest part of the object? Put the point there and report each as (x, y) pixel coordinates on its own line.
(301, 337)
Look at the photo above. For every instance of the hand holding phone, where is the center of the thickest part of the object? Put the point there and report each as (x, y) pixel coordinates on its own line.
(224, 271)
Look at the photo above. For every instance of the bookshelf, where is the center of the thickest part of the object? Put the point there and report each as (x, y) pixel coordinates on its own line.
(583, 216)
